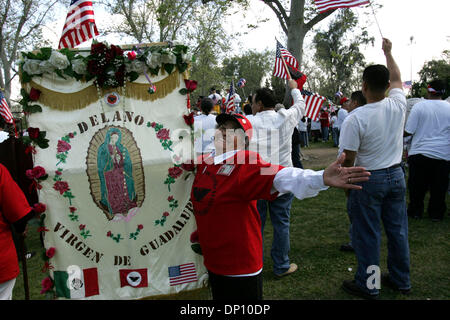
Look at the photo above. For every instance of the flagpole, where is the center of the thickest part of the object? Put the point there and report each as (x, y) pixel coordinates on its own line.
(376, 20)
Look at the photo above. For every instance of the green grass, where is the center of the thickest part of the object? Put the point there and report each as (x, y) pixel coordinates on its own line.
(318, 227)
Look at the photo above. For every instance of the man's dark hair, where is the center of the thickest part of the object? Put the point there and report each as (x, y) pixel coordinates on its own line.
(248, 109)
(266, 96)
(439, 86)
(206, 105)
(359, 98)
(376, 77)
(212, 89)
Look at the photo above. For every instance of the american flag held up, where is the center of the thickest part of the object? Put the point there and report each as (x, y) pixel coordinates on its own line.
(279, 69)
(5, 112)
(80, 24)
(313, 103)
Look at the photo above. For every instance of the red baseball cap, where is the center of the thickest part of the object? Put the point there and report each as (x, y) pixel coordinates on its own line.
(343, 100)
(243, 122)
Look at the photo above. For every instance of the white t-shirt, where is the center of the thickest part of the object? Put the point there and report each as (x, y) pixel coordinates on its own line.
(216, 98)
(302, 126)
(204, 127)
(315, 125)
(375, 132)
(333, 122)
(429, 123)
(342, 114)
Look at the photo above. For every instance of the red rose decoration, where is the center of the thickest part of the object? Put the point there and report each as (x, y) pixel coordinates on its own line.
(35, 173)
(39, 208)
(30, 149)
(191, 85)
(163, 134)
(188, 166)
(140, 227)
(29, 174)
(194, 237)
(166, 214)
(33, 133)
(170, 198)
(131, 55)
(61, 186)
(109, 234)
(35, 94)
(72, 209)
(63, 146)
(50, 252)
(71, 135)
(94, 68)
(189, 119)
(82, 226)
(46, 284)
(98, 48)
(175, 172)
(116, 50)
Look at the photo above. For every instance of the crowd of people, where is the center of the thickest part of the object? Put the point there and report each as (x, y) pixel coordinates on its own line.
(248, 167)
(368, 130)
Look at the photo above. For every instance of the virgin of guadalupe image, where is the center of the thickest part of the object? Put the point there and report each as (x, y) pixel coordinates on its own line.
(115, 171)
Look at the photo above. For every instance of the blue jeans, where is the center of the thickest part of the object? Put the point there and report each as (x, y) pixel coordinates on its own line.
(279, 210)
(383, 198)
(350, 229)
(304, 139)
(335, 135)
(325, 133)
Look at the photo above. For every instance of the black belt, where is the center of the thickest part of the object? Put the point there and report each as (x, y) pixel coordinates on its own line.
(391, 167)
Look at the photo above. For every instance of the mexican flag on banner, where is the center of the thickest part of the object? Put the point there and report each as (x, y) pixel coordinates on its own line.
(76, 283)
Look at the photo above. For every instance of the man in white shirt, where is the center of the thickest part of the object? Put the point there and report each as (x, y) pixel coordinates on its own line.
(303, 129)
(204, 126)
(272, 139)
(429, 155)
(372, 137)
(341, 115)
(315, 129)
(217, 100)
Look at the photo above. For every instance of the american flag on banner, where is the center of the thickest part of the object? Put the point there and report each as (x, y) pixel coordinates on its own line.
(279, 69)
(313, 103)
(325, 5)
(230, 106)
(77, 28)
(4, 109)
(183, 273)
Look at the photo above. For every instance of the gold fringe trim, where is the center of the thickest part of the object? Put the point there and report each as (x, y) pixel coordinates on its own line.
(81, 99)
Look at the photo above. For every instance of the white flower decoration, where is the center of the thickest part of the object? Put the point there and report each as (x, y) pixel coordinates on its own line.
(79, 66)
(59, 60)
(46, 67)
(169, 58)
(32, 66)
(155, 60)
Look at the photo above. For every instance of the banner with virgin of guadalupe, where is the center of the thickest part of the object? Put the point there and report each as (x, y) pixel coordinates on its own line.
(110, 131)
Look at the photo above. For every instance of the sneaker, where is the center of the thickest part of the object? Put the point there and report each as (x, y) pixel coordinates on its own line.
(347, 248)
(352, 288)
(386, 281)
(292, 268)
